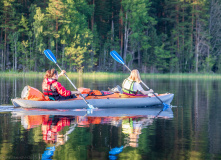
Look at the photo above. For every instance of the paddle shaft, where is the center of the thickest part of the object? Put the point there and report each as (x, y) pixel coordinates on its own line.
(153, 92)
(72, 84)
(145, 85)
(127, 67)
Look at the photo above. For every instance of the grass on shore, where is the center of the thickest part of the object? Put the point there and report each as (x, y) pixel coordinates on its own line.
(105, 75)
(185, 76)
(70, 74)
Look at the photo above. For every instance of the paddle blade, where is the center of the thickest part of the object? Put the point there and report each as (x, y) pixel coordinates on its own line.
(50, 55)
(117, 57)
(112, 157)
(165, 106)
(116, 150)
(48, 153)
(90, 106)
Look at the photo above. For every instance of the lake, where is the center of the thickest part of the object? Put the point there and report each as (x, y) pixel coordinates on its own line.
(190, 130)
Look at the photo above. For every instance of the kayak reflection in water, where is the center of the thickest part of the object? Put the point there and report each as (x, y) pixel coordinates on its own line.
(53, 125)
(131, 85)
(52, 88)
(56, 129)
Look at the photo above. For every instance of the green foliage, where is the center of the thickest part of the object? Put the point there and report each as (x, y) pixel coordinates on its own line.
(76, 52)
(163, 58)
(157, 36)
(129, 58)
(76, 146)
(37, 24)
(209, 63)
(130, 154)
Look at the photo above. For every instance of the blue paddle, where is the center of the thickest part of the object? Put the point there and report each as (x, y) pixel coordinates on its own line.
(52, 58)
(118, 58)
(48, 153)
(116, 150)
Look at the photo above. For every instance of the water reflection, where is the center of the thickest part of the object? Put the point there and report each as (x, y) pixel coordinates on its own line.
(51, 127)
(58, 126)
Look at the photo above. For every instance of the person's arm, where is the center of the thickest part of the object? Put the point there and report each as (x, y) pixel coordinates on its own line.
(62, 73)
(61, 90)
(146, 92)
(139, 88)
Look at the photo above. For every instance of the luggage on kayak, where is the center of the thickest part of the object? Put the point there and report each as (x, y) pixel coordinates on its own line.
(116, 89)
(84, 90)
(90, 92)
(95, 93)
(31, 93)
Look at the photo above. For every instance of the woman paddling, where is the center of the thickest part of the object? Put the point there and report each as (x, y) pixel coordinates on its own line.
(52, 88)
(131, 85)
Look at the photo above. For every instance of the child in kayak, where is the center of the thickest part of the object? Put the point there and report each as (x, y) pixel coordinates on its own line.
(54, 89)
(131, 85)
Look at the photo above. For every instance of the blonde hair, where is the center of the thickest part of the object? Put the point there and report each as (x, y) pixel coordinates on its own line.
(135, 76)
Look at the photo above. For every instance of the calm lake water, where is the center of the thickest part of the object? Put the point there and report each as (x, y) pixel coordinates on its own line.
(190, 130)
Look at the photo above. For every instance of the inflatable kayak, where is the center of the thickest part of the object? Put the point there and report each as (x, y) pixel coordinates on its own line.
(115, 100)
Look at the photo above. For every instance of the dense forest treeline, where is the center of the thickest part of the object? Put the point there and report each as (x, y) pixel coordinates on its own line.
(157, 36)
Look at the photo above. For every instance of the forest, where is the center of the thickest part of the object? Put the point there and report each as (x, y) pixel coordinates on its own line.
(154, 36)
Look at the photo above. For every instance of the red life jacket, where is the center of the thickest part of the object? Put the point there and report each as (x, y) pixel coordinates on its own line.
(48, 87)
(50, 130)
(54, 88)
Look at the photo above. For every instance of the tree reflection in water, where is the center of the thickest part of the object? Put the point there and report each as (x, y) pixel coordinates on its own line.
(56, 129)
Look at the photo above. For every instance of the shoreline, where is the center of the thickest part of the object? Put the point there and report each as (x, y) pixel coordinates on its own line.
(104, 75)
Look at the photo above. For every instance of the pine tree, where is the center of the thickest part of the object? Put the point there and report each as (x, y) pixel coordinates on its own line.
(9, 21)
(79, 37)
(38, 29)
(214, 33)
(137, 22)
(14, 48)
(201, 36)
(55, 18)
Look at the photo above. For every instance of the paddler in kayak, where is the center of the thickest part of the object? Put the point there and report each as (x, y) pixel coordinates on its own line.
(131, 85)
(52, 88)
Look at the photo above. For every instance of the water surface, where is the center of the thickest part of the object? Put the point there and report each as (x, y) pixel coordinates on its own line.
(191, 130)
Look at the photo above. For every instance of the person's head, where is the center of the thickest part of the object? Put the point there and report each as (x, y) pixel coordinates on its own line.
(51, 73)
(135, 76)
